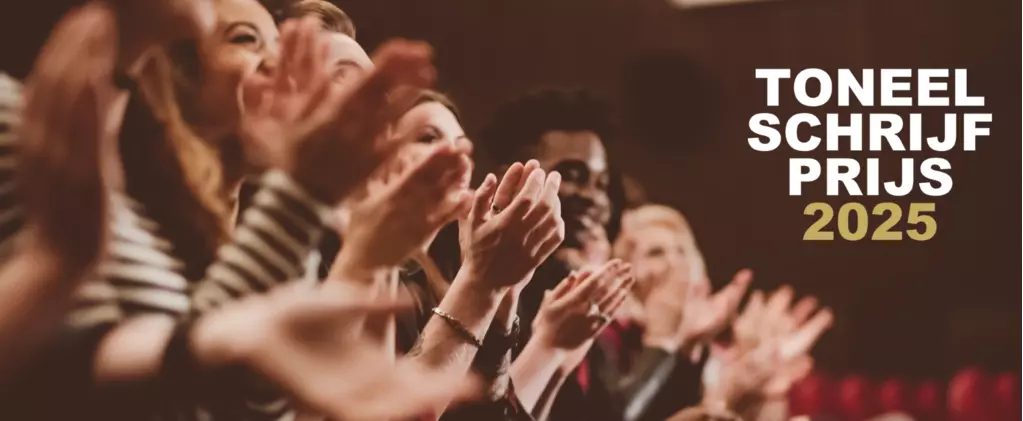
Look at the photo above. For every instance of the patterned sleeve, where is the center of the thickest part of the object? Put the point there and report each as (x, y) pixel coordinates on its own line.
(272, 245)
(10, 121)
(96, 301)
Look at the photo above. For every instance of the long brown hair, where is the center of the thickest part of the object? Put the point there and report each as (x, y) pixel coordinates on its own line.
(443, 258)
(172, 172)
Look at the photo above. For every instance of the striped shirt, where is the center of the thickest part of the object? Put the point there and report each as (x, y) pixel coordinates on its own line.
(141, 275)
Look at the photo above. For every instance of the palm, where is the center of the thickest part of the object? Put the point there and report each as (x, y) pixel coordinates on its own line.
(707, 315)
(512, 227)
(304, 341)
(772, 327)
(400, 215)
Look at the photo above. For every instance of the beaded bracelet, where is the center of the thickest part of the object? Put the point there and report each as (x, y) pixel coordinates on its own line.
(458, 327)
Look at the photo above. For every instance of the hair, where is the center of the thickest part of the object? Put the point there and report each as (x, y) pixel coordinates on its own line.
(514, 131)
(444, 256)
(664, 217)
(177, 176)
(333, 18)
(428, 95)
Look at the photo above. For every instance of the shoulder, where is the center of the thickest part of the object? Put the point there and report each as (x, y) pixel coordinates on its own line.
(10, 95)
(10, 107)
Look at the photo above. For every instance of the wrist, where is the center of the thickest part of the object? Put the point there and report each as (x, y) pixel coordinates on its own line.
(348, 267)
(208, 341)
(507, 311)
(473, 304)
(668, 344)
(474, 278)
(544, 350)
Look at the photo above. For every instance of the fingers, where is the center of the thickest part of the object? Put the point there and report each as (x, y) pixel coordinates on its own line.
(509, 186)
(729, 297)
(806, 336)
(618, 278)
(79, 49)
(401, 69)
(454, 205)
(552, 243)
(307, 53)
(525, 199)
(579, 296)
(565, 285)
(541, 218)
(286, 63)
(803, 309)
(755, 306)
(484, 196)
(777, 305)
(615, 300)
(742, 279)
(527, 169)
(618, 299)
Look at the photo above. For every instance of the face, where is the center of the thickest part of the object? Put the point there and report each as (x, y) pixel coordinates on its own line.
(656, 249)
(244, 40)
(348, 60)
(582, 161)
(429, 123)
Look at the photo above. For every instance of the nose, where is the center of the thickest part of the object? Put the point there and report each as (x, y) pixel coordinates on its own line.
(268, 65)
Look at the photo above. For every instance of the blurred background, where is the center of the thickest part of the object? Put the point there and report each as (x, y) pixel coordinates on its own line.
(682, 82)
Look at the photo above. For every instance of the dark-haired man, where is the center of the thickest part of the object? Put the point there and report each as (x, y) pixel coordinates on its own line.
(567, 131)
(348, 58)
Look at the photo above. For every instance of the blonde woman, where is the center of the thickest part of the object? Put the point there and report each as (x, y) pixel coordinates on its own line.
(751, 374)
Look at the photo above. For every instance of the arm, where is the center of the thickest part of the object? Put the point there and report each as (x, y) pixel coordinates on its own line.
(43, 268)
(538, 373)
(493, 363)
(270, 246)
(473, 304)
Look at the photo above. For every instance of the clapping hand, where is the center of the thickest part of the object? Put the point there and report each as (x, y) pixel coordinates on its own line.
(65, 151)
(581, 306)
(706, 314)
(301, 338)
(328, 137)
(512, 227)
(770, 351)
(420, 195)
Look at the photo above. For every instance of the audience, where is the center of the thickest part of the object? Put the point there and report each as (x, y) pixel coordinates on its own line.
(217, 152)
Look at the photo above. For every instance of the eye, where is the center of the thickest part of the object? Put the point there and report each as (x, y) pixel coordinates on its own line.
(655, 252)
(574, 174)
(430, 135)
(244, 38)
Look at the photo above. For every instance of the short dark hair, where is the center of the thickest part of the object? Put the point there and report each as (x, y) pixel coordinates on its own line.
(334, 19)
(514, 131)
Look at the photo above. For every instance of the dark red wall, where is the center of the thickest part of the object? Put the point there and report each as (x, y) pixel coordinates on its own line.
(684, 83)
